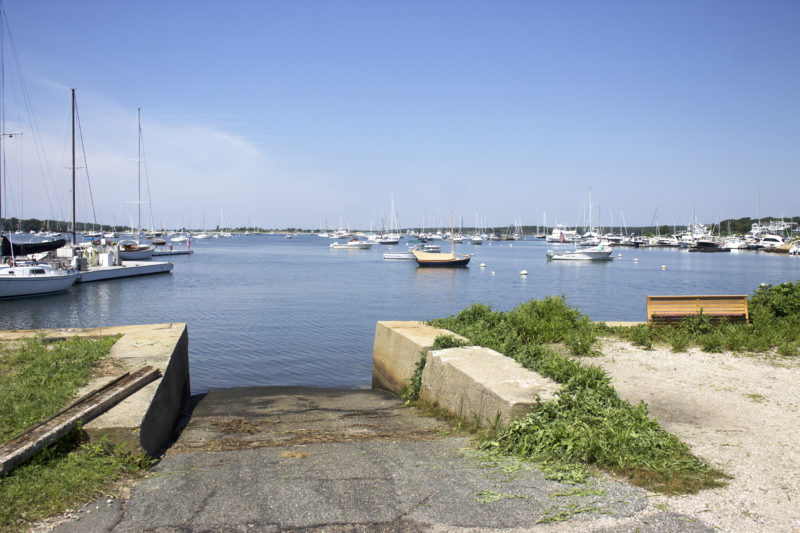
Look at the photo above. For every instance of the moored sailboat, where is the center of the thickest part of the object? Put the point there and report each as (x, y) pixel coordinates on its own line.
(442, 259)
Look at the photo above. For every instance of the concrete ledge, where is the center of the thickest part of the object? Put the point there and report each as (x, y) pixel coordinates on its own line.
(479, 383)
(396, 350)
(145, 420)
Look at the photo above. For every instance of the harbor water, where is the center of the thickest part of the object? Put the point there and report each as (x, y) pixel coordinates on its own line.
(265, 310)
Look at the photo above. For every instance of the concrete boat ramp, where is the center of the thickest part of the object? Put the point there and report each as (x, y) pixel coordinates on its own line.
(303, 459)
(283, 458)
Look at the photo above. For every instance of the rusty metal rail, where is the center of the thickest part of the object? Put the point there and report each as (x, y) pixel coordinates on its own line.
(23, 446)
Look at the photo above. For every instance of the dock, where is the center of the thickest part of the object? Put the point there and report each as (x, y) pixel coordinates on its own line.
(126, 270)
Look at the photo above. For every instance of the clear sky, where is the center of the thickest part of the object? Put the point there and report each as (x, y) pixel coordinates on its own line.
(291, 113)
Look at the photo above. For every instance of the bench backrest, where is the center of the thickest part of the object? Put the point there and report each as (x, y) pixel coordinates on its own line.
(670, 308)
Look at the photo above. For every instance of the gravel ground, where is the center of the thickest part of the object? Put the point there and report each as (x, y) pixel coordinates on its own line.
(739, 412)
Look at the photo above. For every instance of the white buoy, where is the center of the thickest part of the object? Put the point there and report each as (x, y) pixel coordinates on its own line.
(510, 245)
(492, 272)
(619, 255)
(523, 272)
(663, 267)
(483, 265)
(635, 259)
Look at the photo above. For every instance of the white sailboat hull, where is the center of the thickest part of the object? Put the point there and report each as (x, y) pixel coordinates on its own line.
(14, 283)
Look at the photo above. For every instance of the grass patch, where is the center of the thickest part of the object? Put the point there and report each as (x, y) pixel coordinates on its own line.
(37, 379)
(587, 425)
(63, 475)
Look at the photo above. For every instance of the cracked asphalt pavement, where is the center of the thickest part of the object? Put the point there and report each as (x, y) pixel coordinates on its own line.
(300, 459)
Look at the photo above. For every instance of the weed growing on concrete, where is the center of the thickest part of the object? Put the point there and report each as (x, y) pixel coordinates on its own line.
(411, 392)
(441, 342)
(553, 515)
(489, 496)
(587, 423)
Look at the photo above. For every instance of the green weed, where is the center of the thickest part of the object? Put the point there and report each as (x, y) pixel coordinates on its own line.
(679, 339)
(587, 424)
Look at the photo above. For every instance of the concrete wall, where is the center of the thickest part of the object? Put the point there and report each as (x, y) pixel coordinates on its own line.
(482, 385)
(144, 421)
(471, 382)
(396, 350)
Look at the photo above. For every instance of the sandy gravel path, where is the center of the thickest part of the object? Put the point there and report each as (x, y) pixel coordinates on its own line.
(740, 413)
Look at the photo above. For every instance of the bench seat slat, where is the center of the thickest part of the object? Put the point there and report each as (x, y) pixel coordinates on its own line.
(664, 308)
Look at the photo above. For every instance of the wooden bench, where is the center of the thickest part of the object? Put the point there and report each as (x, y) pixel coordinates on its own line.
(671, 309)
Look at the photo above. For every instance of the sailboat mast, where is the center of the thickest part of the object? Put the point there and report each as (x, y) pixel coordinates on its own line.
(139, 159)
(74, 219)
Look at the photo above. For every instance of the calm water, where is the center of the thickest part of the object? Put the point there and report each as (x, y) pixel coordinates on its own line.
(264, 310)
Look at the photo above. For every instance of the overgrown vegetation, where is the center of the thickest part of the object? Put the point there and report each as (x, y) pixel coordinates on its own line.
(774, 325)
(37, 379)
(587, 425)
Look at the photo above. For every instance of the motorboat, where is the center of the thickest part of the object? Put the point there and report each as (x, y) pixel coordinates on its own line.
(400, 256)
(353, 244)
(34, 279)
(135, 251)
(562, 234)
(409, 255)
(389, 238)
(601, 252)
(708, 245)
(735, 243)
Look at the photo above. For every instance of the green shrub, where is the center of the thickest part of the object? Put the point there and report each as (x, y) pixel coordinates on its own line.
(582, 340)
(789, 349)
(780, 301)
(712, 342)
(642, 335)
(679, 339)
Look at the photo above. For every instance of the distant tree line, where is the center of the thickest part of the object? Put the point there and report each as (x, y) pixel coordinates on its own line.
(732, 226)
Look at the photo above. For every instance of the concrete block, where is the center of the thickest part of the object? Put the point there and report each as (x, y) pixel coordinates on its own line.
(478, 382)
(396, 350)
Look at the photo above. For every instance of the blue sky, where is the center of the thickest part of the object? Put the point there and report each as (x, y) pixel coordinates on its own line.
(293, 113)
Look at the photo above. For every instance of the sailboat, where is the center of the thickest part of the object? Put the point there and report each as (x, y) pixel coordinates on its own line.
(133, 250)
(442, 259)
(28, 277)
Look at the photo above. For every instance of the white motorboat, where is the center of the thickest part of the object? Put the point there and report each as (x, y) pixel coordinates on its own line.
(400, 256)
(562, 234)
(34, 279)
(352, 245)
(135, 251)
(601, 252)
